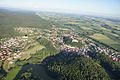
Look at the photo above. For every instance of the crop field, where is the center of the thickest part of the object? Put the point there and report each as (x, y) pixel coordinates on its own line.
(103, 38)
(86, 28)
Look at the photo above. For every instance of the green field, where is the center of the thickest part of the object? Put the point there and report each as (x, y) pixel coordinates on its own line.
(27, 54)
(109, 41)
(12, 74)
(103, 38)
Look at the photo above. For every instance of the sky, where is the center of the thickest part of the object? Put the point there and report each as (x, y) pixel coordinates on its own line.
(103, 7)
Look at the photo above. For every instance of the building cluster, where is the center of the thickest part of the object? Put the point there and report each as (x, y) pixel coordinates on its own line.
(84, 50)
(25, 30)
(69, 49)
(10, 46)
(111, 53)
(5, 53)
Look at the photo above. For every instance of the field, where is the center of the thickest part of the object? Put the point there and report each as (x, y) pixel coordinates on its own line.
(27, 54)
(86, 28)
(109, 41)
(103, 38)
(12, 74)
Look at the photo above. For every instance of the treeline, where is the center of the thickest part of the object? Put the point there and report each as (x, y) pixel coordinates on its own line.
(111, 67)
(67, 40)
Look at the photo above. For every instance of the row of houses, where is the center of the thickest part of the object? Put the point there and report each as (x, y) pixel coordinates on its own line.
(109, 52)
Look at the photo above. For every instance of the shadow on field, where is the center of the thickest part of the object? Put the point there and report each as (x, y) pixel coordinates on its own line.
(38, 72)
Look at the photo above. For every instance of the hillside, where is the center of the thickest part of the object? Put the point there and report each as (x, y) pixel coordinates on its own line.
(11, 19)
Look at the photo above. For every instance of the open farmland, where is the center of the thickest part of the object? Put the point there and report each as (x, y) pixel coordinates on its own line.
(107, 41)
(103, 38)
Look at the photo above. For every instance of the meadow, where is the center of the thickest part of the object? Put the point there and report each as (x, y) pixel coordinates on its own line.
(103, 38)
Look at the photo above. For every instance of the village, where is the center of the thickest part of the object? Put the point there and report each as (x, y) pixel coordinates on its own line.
(13, 47)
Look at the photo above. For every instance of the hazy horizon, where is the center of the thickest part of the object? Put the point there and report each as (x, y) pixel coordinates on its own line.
(93, 7)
